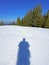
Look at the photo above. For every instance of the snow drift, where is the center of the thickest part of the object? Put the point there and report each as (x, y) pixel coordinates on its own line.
(11, 36)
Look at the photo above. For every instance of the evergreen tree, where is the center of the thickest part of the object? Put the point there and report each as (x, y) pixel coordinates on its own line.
(18, 21)
(47, 20)
(35, 18)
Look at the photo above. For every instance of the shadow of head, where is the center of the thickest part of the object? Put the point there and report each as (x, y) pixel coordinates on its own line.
(24, 39)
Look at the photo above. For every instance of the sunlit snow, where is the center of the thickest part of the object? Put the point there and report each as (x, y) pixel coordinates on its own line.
(11, 36)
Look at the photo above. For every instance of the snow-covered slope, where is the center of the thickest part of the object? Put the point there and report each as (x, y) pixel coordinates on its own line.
(38, 39)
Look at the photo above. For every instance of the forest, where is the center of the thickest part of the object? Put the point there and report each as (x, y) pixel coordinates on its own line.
(33, 18)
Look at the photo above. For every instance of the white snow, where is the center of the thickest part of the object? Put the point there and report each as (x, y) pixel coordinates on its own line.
(38, 39)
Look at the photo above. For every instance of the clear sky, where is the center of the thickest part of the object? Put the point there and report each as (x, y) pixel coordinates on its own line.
(11, 9)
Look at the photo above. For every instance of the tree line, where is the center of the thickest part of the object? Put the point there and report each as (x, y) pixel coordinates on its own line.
(33, 18)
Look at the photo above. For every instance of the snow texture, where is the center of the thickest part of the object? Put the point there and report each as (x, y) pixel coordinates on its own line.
(11, 36)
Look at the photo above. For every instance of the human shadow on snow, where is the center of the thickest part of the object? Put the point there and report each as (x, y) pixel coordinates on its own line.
(23, 57)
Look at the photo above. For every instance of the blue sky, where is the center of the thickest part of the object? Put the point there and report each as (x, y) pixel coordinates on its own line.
(11, 9)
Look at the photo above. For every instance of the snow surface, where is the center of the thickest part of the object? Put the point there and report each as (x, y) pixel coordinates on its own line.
(38, 39)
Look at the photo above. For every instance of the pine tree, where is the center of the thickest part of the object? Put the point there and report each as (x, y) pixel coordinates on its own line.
(18, 21)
